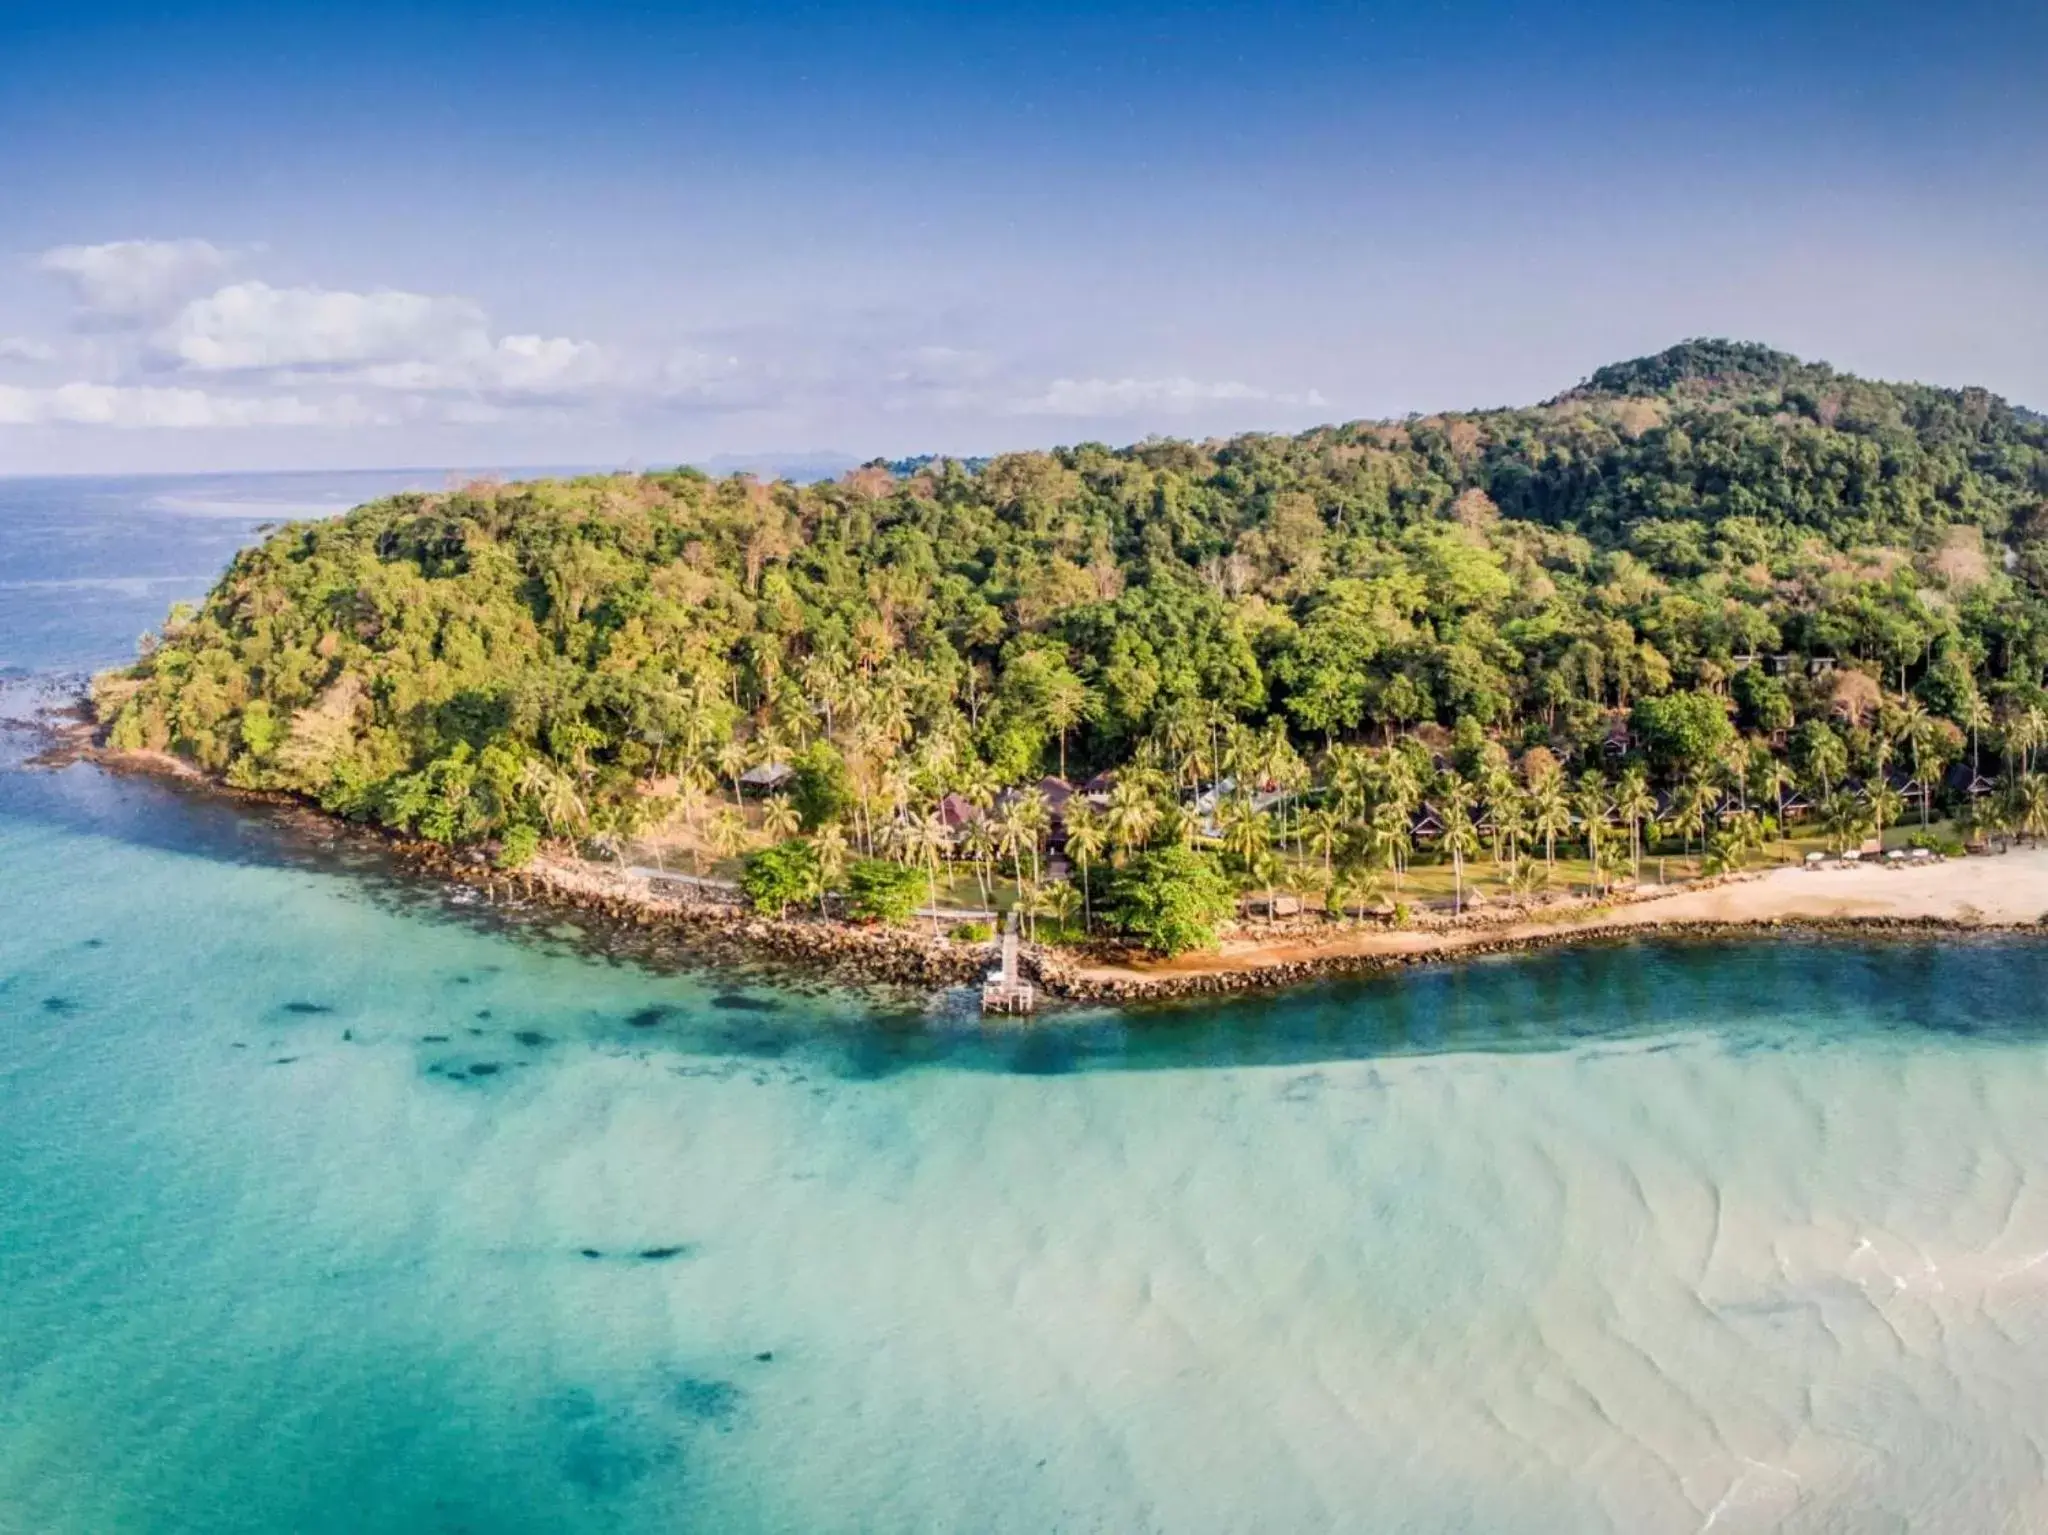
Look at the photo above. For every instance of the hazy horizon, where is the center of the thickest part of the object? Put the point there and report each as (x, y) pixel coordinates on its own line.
(250, 238)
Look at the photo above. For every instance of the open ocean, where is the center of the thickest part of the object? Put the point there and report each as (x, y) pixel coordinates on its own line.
(326, 1204)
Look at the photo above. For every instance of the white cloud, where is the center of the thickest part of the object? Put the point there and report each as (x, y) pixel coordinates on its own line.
(387, 339)
(252, 325)
(22, 349)
(1096, 397)
(130, 280)
(131, 406)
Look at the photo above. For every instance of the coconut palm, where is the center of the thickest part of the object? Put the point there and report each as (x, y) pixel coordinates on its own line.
(1131, 817)
(930, 840)
(1245, 832)
(1841, 819)
(2030, 806)
(1390, 835)
(978, 841)
(1322, 829)
(1886, 806)
(732, 759)
(779, 818)
(1692, 809)
(1635, 804)
(1460, 838)
(1086, 838)
(1592, 803)
(554, 795)
(728, 832)
(1062, 899)
(1550, 812)
(830, 843)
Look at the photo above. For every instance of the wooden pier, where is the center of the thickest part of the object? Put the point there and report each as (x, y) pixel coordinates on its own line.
(1005, 990)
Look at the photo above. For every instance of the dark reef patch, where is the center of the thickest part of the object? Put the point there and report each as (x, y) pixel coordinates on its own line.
(740, 1002)
(307, 1009)
(485, 1069)
(663, 1254)
(59, 1005)
(709, 1401)
(649, 1017)
(533, 1039)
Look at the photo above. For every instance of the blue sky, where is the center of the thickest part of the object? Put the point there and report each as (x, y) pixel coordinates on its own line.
(325, 236)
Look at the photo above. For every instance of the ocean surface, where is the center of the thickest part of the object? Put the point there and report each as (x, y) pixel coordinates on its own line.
(330, 1203)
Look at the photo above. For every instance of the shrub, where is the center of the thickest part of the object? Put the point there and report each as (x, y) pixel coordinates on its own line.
(517, 847)
(973, 932)
(776, 878)
(1170, 900)
(878, 891)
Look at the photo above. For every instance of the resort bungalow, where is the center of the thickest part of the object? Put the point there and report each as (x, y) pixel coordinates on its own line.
(958, 813)
(1967, 782)
(767, 778)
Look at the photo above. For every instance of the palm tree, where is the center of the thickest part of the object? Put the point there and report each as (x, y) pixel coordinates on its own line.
(1086, 838)
(1322, 829)
(1245, 832)
(1976, 714)
(978, 841)
(1460, 838)
(1692, 809)
(2030, 806)
(779, 818)
(830, 843)
(1131, 817)
(1390, 836)
(554, 795)
(1011, 832)
(931, 839)
(1591, 802)
(1885, 806)
(1061, 898)
(1036, 815)
(1550, 813)
(732, 761)
(1635, 804)
(1266, 867)
(1841, 819)
(728, 832)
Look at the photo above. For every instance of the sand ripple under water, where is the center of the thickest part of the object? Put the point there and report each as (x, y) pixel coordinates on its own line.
(322, 1215)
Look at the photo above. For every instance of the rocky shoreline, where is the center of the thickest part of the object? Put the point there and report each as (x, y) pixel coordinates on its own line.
(1062, 980)
(715, 929)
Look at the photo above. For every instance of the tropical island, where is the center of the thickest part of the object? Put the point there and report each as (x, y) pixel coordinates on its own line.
(1707, 608)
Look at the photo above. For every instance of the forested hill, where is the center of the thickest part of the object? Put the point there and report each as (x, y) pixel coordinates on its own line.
(536, 655)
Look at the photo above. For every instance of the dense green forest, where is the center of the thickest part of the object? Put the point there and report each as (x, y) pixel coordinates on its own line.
(1654, 605)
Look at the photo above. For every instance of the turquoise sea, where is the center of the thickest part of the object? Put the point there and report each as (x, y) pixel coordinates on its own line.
(333, 1204)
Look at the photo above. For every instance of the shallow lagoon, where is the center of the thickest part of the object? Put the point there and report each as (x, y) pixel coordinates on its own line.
(332, 1209)
(328, 1205)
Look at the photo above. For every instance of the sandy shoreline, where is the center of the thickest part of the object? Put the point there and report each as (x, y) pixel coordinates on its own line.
(1998, 892)
(1990, 893)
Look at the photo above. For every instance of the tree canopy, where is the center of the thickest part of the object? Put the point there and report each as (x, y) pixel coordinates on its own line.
(1719, 538)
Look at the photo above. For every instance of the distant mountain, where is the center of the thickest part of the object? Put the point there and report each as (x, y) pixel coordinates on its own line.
(799, 468)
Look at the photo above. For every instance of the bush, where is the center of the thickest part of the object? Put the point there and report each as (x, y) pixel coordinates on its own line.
(878, 891)
(822, 789)
(1934, 842)
(1170, 900)
(776, 878)
(517, 847)
(973, 932)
